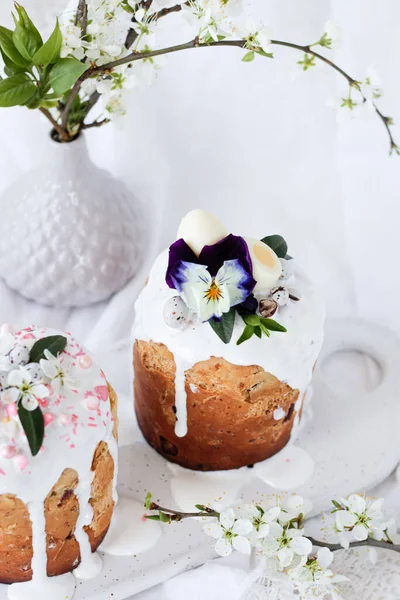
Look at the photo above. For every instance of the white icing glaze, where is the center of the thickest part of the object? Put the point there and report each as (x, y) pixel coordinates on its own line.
(77, 420)
(55, 588)
(289, 356)
(279, 414)
(130, 533)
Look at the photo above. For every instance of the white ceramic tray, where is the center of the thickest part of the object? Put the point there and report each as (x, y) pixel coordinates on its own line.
(350, 437)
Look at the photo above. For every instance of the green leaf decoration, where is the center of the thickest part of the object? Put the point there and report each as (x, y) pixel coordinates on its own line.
(28, 24)
(258, 331)
(10, 51)
(65, 73)
(224, 327)
(265, 330)
(248, 57)
(248, 331)
(49, 53)
(153, 517)
(33, 424)
(16, 90)
(148, 501)
(253, 320)
(54, 343)
(25, 42)
(277, 244)
(273, 325)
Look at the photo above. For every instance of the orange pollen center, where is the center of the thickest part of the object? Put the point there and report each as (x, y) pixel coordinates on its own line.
(213, 293)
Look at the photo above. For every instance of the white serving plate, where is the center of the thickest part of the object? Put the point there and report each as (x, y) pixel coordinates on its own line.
(350, 436)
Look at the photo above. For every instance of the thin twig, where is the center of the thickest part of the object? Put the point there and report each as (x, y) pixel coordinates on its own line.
(81, 17)
(367, 542)
(168, 10)
(52, 120)
(95, 124)
(181, 515)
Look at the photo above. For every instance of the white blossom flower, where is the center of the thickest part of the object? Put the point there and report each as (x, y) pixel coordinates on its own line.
(255, 36)
(285, 543)
(229, 533)
(23, 387)
(56, 370)
(315, 572)
(72, 42)
(209, 17)
(361, 518)
(370, 87)
(260, 518)
(143, 23)
(292, 507)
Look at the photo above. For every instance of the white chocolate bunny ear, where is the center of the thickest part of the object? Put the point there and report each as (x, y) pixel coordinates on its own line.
(200, 228)
(267, 267)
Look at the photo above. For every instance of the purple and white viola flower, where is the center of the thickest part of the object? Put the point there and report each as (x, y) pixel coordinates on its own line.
(220, 278)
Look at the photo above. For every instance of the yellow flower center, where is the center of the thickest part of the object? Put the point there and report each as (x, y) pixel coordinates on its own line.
(213, 293)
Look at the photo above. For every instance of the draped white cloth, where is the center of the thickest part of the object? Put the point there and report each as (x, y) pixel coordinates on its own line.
(260, 145)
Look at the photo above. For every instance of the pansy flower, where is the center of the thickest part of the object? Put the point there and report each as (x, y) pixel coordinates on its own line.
(221, 277)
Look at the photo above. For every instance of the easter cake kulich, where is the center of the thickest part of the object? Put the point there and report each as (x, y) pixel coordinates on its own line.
(58, 454)
(226, 336)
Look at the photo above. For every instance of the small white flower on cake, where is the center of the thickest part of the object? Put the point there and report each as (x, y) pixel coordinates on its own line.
(24, 388)
(56, 370)
(285, 544)
(229, 533)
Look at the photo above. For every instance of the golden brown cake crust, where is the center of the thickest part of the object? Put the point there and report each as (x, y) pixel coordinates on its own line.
(230, 410)
(61, 509)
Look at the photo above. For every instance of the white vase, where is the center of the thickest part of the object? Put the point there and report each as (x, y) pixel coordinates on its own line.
(70, 233)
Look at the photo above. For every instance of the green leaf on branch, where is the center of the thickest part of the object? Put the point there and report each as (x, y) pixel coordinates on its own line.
(277, 244)
(147, 502)
(49, 53)
(10, 51)
(248, 57)
(266, 54)
(16, 90)
(153, 517)
(224, 327)
(201, 507)
(65, 73)
(33, 424)
(28, 24)
(164, 518)
(53, 343)
(307, 62)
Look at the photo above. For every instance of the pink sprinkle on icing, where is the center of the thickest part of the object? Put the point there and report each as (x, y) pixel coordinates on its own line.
(72, 445)
(48, 418)
(2, 472)
(92, 403)
(101, 392)
(12, 410)
(21, 462)
(8, 451)
(85, 361)
(92, 425)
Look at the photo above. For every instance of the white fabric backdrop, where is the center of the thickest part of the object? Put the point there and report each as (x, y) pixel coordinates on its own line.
(260, 145)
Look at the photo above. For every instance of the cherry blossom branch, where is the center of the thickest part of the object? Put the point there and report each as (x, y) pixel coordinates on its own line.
(168, 10)
(175, 515)
(195, 43)
(367, 542)
(57, 127)
(95, 124)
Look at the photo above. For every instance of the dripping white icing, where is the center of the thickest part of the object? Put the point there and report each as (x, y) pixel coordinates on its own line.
(290, 356)
(181, 427)
(76, 422)
(91, 564)
(279, 414)
(130, 533)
